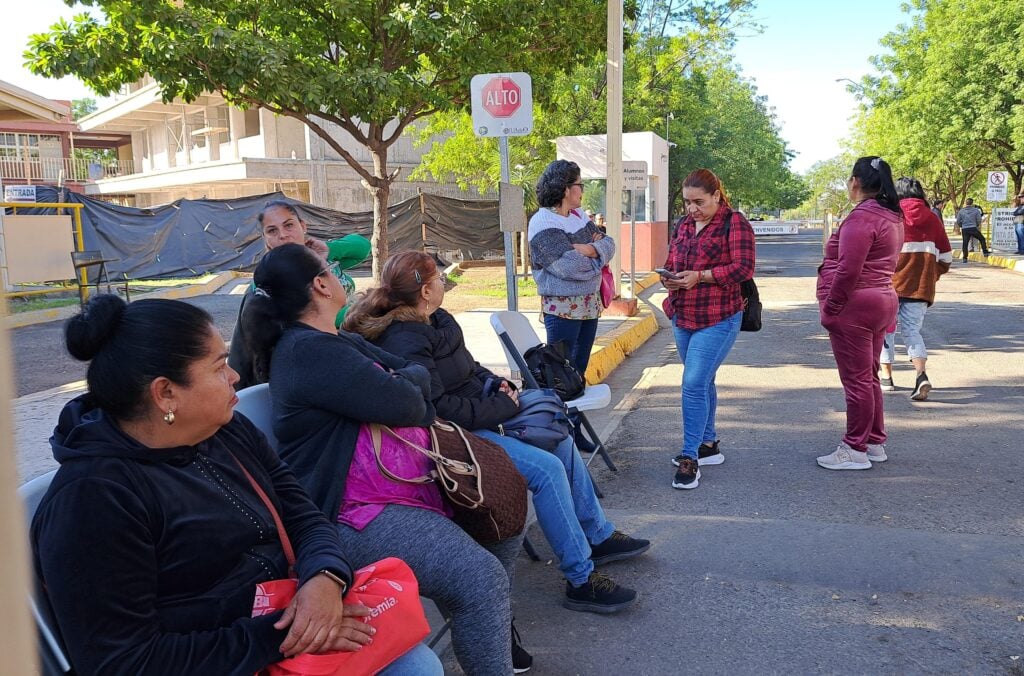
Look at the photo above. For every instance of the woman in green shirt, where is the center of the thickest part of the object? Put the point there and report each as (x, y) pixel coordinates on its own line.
(280, 223)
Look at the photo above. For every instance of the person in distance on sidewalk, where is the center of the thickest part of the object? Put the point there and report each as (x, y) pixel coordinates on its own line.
(926, 255)
(404, 317)
(857, 304)
(712, 252)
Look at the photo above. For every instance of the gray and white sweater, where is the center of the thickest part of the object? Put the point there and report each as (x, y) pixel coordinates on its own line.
(558, 268)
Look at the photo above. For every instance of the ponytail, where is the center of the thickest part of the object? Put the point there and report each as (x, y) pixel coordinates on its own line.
(283, 291)
(875, 178)
(401, 279)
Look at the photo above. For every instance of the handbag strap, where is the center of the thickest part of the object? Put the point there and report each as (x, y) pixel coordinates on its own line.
(282, 534)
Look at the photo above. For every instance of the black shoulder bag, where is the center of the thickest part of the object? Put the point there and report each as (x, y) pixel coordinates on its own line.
(748, 290)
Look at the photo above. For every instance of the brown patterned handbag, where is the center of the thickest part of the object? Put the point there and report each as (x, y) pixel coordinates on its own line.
(480, 481)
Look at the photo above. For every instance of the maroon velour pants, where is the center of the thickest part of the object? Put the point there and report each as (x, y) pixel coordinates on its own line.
(857, 335)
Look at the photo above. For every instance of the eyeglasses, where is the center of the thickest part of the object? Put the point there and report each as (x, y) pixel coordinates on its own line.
(579, 184)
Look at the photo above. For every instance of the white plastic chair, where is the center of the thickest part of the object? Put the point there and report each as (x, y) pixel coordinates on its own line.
(255, 404)
(517, 336)
(52, 656)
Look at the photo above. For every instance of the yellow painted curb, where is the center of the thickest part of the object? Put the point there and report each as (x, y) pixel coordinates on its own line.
(23, 319)
(611, 349)
(647, 282)
(998, 261)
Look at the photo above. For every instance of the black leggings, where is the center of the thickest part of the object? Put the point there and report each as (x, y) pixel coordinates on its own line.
(968, 233)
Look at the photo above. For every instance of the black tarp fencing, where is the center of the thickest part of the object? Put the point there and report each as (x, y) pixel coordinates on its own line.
(192, 237)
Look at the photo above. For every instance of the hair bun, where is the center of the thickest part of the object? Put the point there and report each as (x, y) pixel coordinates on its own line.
(87, 332)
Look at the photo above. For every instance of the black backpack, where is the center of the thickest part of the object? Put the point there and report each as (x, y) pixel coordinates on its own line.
(748, 290)
(552, 369)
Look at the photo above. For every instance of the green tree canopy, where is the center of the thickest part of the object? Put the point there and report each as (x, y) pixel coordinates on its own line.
(367, 67)
(948, 102)
(676, 63)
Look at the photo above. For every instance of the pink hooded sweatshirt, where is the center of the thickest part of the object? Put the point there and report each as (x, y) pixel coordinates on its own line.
(861, 254)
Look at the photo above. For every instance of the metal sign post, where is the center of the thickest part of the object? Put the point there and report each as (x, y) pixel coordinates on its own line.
(502, 105)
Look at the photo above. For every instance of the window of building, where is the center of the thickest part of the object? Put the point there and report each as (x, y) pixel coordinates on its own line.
(252, 122)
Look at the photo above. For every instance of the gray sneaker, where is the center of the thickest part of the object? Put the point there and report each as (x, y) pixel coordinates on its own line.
(887, 385)
(876, 453)
(845, 457)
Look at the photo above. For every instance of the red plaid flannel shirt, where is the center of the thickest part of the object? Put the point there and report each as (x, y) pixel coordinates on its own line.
(730, 263)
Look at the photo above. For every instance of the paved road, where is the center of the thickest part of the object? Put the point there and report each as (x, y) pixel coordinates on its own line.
(41, 361)
(774, 565)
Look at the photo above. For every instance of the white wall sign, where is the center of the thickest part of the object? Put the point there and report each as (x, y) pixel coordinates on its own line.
(502, 104)
(634, 175)
(776, 227)
(996, 191)
(19, 193)
(1003, 236)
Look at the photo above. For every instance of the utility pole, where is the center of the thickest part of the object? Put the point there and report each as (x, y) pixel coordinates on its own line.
(613, 157)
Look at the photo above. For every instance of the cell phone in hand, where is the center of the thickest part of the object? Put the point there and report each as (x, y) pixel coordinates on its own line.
(664, 273)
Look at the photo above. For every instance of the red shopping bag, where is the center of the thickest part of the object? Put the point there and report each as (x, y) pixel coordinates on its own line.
(389, 589)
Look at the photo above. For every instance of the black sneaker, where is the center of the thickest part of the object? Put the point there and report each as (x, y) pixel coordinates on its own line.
(707, 454)
(688, 474)
(922, 388)
(521, 660)
(599, 594)
(618, 547)
(887, 384)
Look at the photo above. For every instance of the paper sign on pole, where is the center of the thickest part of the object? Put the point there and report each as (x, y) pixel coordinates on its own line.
(997, 186)
(634, 175)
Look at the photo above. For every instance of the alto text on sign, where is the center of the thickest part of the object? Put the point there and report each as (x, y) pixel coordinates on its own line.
(502, 104)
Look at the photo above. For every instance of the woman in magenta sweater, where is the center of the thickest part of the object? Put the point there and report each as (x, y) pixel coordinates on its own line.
(857, 304)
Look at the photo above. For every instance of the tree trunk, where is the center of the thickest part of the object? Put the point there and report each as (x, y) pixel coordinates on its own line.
(380, 190)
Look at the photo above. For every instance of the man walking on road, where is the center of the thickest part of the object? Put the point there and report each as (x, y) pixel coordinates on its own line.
(969, 220)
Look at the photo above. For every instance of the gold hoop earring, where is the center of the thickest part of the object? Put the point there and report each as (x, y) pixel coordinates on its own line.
(169, 417)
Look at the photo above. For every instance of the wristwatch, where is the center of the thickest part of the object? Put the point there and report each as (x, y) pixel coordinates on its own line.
(335, 578)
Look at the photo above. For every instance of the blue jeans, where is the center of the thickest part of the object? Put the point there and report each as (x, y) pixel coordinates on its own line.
(564, 497)
(1018, 229)
(702, 351)
(578, 334)
(419, 661)
(910, 318)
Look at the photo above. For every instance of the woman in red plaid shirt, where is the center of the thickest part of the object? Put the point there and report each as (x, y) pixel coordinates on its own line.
(711, 253)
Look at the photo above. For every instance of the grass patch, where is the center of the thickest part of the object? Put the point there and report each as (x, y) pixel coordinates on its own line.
(489, 282)
(16, 305)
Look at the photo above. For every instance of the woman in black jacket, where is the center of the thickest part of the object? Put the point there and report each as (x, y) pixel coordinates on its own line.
(404, 317)
(151, 539)
(326, 386)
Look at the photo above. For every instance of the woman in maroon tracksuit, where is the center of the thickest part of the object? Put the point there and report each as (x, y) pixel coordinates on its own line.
(857, 305)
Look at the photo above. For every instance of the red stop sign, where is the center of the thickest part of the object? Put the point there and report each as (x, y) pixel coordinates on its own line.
(501, 97)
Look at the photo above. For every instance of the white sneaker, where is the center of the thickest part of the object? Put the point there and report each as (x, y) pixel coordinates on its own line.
(876, 453)
(845, 457)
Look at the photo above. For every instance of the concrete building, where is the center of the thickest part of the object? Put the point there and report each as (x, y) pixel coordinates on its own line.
(211, 149)
(38, 141)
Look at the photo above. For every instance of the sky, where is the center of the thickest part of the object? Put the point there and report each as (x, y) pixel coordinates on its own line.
(805, 46)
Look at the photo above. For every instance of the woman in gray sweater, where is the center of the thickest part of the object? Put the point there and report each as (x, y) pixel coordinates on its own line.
(567, 252)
